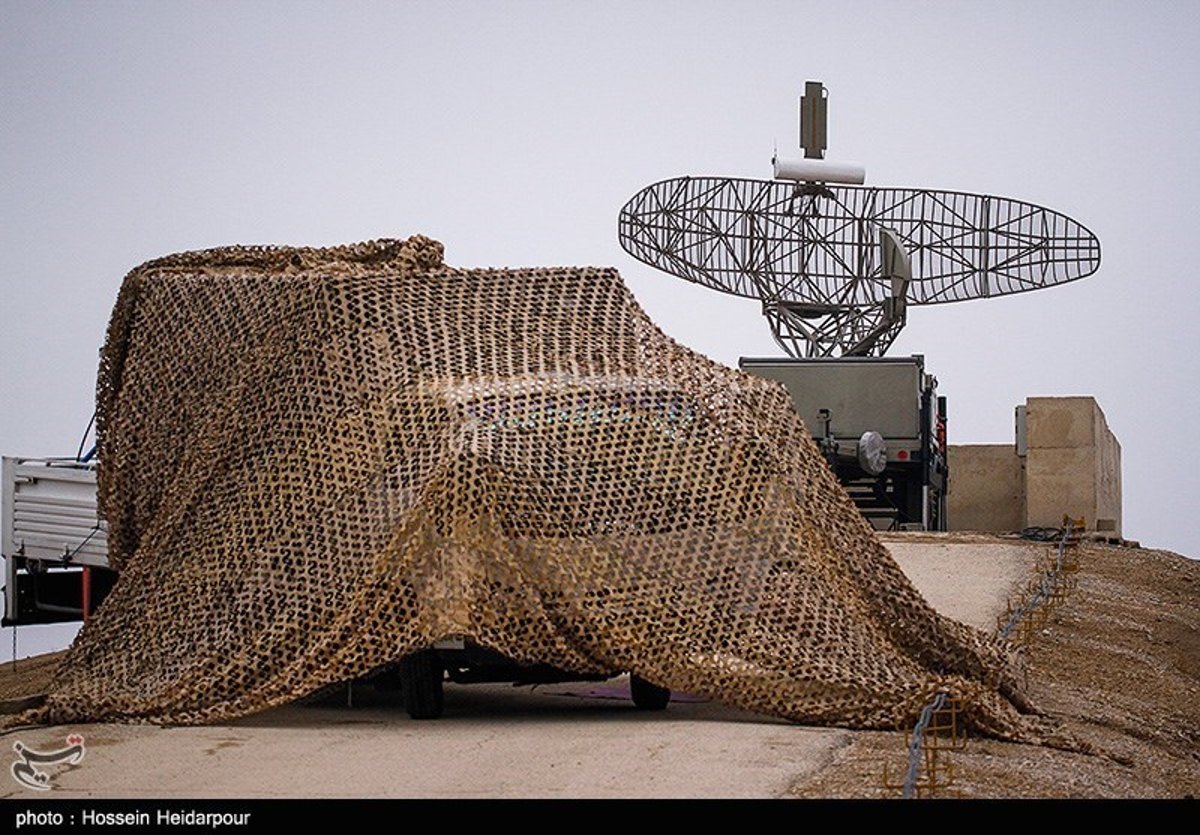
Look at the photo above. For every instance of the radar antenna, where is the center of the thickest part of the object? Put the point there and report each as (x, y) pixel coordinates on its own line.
(836, 264)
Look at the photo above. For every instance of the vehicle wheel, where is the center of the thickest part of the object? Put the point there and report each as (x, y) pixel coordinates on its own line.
(421, 684)
(647, 696)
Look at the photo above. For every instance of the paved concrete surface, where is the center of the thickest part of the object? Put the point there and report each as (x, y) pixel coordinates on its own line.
(500, 741)
(494, 741)
(969, 581)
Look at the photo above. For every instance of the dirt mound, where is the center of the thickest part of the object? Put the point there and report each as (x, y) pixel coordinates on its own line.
(1117, 664)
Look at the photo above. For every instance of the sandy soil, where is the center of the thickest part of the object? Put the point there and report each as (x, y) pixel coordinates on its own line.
(27, 677)
(1118, 663)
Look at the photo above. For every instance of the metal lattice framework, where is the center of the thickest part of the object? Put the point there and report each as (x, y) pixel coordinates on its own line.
(811, 252)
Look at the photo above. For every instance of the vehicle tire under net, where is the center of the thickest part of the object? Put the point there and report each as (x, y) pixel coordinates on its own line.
(421, 684)
(647, 696)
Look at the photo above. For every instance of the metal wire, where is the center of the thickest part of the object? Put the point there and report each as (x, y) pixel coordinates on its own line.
(70, 555)
(1041, 534)
(1045, 592)
(1045, 589)
(917, 743)
(83, 440)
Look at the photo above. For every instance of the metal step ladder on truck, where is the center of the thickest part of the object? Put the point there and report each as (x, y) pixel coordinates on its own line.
(55, 553)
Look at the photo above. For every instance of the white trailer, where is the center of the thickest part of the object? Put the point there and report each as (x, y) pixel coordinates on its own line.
(53, 542)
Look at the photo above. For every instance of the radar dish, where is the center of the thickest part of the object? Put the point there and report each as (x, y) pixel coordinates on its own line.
(812, 252)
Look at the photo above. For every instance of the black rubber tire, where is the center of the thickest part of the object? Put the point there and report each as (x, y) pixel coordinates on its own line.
(647, 696)
(421, 684)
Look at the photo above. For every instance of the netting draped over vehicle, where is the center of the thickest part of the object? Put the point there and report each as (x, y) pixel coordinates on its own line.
(314, 461)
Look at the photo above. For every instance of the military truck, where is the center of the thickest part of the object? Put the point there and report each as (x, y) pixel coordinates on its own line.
(882, 427)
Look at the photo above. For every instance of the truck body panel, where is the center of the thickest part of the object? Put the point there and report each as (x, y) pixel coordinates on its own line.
(53, 541)
(841, 399)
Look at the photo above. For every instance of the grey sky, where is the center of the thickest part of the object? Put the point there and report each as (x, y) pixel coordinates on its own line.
(513, 132)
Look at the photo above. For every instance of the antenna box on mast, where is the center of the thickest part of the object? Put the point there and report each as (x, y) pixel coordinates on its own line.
(814, 120)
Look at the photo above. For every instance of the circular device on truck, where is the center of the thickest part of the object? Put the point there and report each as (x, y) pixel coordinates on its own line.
(872, 453)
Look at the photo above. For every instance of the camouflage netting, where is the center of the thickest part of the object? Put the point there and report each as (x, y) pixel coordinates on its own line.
(314, 461)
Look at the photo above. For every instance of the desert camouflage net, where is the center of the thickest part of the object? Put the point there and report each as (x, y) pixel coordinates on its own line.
(314, 461)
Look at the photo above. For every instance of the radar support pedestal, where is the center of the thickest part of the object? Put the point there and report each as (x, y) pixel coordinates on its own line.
(809, 330)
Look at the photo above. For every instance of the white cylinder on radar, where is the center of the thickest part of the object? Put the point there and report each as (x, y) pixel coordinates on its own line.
(819, 171)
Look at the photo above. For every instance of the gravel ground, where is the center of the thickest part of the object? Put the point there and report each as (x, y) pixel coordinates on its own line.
(1117, 661)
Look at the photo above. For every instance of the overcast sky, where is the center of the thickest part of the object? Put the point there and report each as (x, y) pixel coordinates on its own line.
(515, 131)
